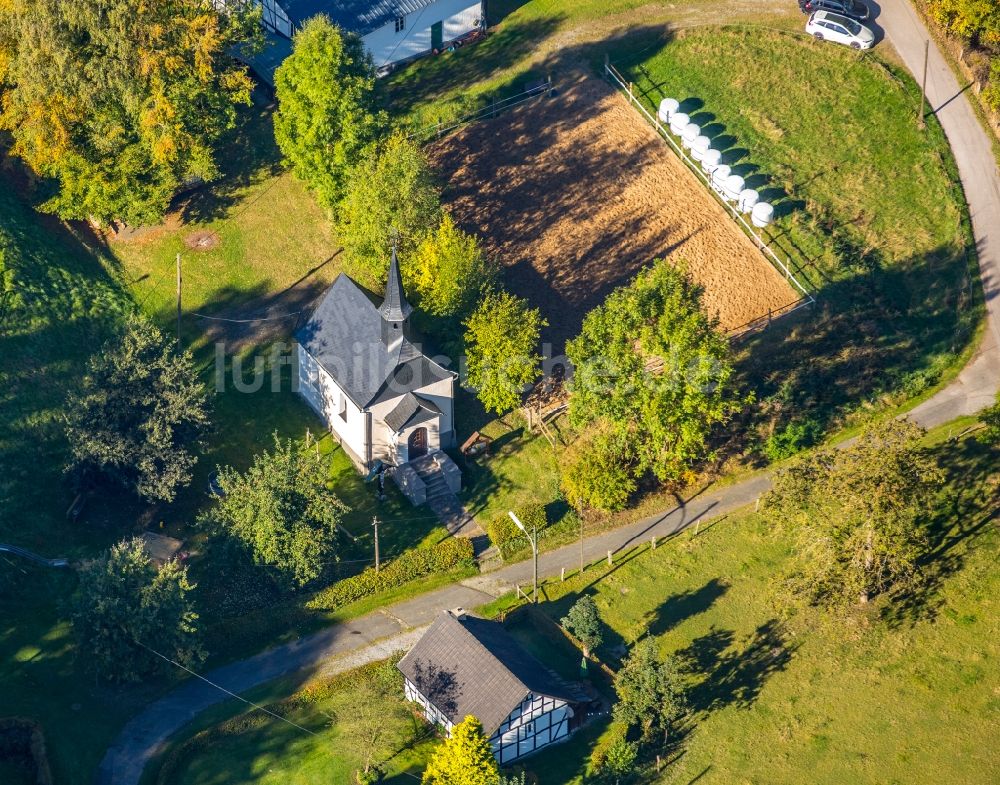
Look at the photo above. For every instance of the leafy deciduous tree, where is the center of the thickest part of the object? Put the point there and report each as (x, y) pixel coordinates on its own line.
(596, 470)
(139, 414)
(584, 623)
(123, 604)
(619, 760)
(368, 729)
(391, 197)
(655, 368)
(466, 758)
(450, 270)
(281, 510)
(326, 113)
(857, 513)
(501, 344)
(122, 101)
(650, 692)
(990, 419)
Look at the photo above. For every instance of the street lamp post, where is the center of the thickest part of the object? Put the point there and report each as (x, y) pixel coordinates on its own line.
(533, 539)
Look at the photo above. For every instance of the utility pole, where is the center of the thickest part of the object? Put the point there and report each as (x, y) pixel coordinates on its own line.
(378, 564)
(533, 539)
(178, 303)
(923, 86)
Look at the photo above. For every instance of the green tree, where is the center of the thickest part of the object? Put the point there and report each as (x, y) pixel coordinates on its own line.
(125, 609)
(584, 623)
(650, 691)
(450, 270)
(974, 21)
(857, 514)
(465, 758)
(138, 416)
(990, 419)
(121, 102)
(501, 345)
(651, 365)
(326, 108)
(368, 727)
(596, 470)
(619, 760)
(281, 510)
(391, 197)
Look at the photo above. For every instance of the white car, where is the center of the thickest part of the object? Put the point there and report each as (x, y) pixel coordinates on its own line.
(828, 26)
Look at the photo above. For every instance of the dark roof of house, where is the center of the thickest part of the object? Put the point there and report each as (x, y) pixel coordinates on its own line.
(467, 665)
(411, 410)
(359, 16)
(345, 336)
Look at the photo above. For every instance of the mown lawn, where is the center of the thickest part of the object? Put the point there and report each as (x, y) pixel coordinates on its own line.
(909, 697)
(257, 748)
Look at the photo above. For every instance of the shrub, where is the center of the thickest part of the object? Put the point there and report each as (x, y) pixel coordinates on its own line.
(417, 563)
(596, 471)
(793, 438)
(509, 539)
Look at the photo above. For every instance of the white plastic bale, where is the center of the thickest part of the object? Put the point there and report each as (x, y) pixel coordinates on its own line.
(678, 122)
(719, 177)
(748, 198)
(699, 147)
(733, 187)
(710, 160)
(691, 132)
(762, 214)
(667, 108)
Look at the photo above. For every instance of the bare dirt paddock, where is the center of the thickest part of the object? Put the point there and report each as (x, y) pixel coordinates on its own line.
(574, 194)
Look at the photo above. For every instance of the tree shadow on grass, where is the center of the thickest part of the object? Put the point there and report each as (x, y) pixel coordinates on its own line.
(968, 511)
(684, 605)
(250, 156)
(734, 677)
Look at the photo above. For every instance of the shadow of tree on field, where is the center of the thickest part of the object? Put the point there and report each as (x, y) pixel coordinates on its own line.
(250, 156)
(969, 509)
(734, 677)
(684, 605)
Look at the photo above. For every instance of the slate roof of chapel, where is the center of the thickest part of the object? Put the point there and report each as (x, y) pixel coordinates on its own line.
(344, 335)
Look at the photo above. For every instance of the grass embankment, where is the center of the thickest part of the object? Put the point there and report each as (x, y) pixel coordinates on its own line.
(908, 697)
(255, 747)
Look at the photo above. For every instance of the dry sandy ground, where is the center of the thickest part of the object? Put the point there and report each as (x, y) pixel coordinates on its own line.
(574, 194)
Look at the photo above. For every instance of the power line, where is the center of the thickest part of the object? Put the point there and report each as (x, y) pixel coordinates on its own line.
(228, 692)
(245, 321)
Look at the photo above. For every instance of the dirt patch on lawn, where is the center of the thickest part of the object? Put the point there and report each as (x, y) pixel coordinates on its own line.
(202, 240)
(574, 194)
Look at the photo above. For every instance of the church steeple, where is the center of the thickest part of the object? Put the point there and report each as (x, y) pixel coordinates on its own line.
(394, 306)
(394, 309)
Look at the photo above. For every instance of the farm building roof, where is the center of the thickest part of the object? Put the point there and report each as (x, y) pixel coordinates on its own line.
(467, 665)
(345, 336)
(359, 16)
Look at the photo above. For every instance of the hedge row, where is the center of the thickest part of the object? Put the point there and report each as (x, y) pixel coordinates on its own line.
(412, 564)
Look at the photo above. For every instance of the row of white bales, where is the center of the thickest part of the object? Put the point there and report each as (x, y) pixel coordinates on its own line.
(729, 186)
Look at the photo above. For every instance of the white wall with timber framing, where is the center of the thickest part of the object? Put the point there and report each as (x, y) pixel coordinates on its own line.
(536, 723)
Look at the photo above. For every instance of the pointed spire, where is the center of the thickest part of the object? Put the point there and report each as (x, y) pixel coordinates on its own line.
(394, 306)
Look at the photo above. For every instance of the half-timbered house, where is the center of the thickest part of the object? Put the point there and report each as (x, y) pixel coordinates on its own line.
(464, 665)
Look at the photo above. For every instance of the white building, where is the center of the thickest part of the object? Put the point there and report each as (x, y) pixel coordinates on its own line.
(362, 370)
(464, 665)
(393, 31)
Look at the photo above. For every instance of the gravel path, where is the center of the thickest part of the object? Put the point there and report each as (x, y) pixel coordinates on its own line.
(375, 636)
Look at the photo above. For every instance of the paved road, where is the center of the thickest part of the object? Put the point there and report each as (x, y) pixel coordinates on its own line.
(378, 634)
